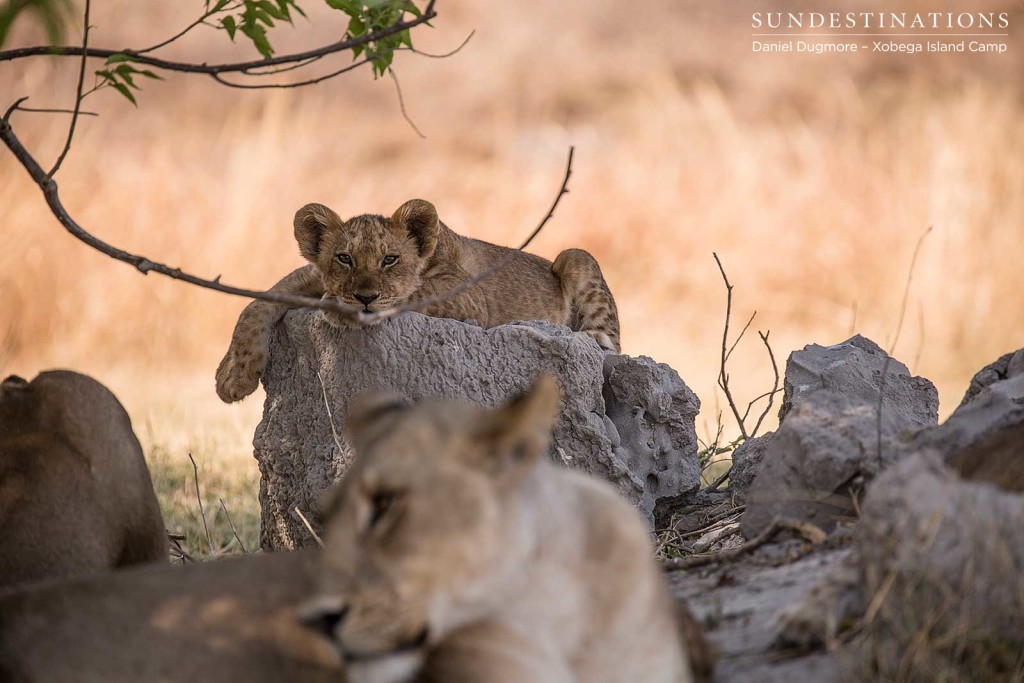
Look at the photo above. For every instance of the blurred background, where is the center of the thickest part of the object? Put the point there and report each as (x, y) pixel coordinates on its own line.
(812, 177)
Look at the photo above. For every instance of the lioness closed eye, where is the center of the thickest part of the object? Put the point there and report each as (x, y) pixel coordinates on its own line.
(373, 262)
(455, 551)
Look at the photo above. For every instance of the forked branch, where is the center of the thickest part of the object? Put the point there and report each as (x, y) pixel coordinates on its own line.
(145, 265)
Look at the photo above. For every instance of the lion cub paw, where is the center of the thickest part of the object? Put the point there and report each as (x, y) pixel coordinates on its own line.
(603, 340)
(239, 374)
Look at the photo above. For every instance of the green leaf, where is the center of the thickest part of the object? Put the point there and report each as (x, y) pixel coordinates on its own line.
(258, 35)
(229, 25)
(125, 72)
(116, 59)
(356, 27)
(149, 74)
(219, 5)
(123, 89)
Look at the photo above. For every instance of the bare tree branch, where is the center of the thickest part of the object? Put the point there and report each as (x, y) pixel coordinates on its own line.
(723, 378)
(230, 67)
(78, 94)
(145, 265)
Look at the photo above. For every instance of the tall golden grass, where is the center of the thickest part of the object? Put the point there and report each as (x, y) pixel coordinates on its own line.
(812, 177)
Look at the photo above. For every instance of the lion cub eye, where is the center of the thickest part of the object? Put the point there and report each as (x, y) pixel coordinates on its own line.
(389, 260)
(380, 505)
(344, 259)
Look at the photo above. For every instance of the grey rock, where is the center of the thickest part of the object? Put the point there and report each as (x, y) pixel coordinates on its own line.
(827, 442)
(746, 463)
(994, 403)
(652, 414)
(951, 552)
(740, 605)
(645, 450)
(855, 368)
(1008, 367)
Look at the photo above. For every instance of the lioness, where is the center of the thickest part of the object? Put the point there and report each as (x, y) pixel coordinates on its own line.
(374, 263)
(75, 493)
(451, 523)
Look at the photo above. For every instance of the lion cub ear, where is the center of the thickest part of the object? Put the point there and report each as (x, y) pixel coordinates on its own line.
(311, 223)
(519, 432)
(418, 218)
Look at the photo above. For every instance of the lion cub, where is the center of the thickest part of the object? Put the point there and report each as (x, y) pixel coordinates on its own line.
(455, 551)
(374, 263)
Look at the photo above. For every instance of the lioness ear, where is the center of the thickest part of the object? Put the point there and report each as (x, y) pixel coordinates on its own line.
(370, 416)
(519, 432)
(311, 222)
(418, 218)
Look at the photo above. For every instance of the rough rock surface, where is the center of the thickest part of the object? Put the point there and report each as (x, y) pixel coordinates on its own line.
(826, 442)
(652, 414)
(1008, 367)
(993, 405)
(804, 470)
(642, 441)
(855, 368)
(746, 463)
(956, 550)
(739, 606)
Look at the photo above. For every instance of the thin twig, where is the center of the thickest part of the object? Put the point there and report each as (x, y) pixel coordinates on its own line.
(742, 332)
(309, 527)
(202, 512)
(810, 532)
(330, 417)
(718, 482)
(442, 55)
(723, 378)
(906, 289)
(231, 67)
(401, 104)
(285, 86)
(233, 529)
(775, 382)
(175, 545)
(78, 95)
(56, 111)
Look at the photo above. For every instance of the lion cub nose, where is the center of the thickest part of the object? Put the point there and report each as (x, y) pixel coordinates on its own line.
(367, 299)
(324, 618)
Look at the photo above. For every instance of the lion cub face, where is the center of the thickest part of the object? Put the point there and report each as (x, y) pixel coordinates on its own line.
(420, 532)
(369, 262)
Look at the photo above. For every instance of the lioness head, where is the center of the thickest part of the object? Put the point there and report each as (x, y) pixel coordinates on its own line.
(370, 262)
(424, 530)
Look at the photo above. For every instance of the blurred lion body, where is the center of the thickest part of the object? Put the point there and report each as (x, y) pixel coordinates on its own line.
(454, 549)
(75, 492)
(374, 263)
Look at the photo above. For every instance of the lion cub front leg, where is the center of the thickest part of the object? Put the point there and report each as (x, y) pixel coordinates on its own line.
(493, 652)
(239, 372)
(591, 306)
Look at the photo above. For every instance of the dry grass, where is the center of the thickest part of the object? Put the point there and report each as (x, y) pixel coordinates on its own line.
(811, 177)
